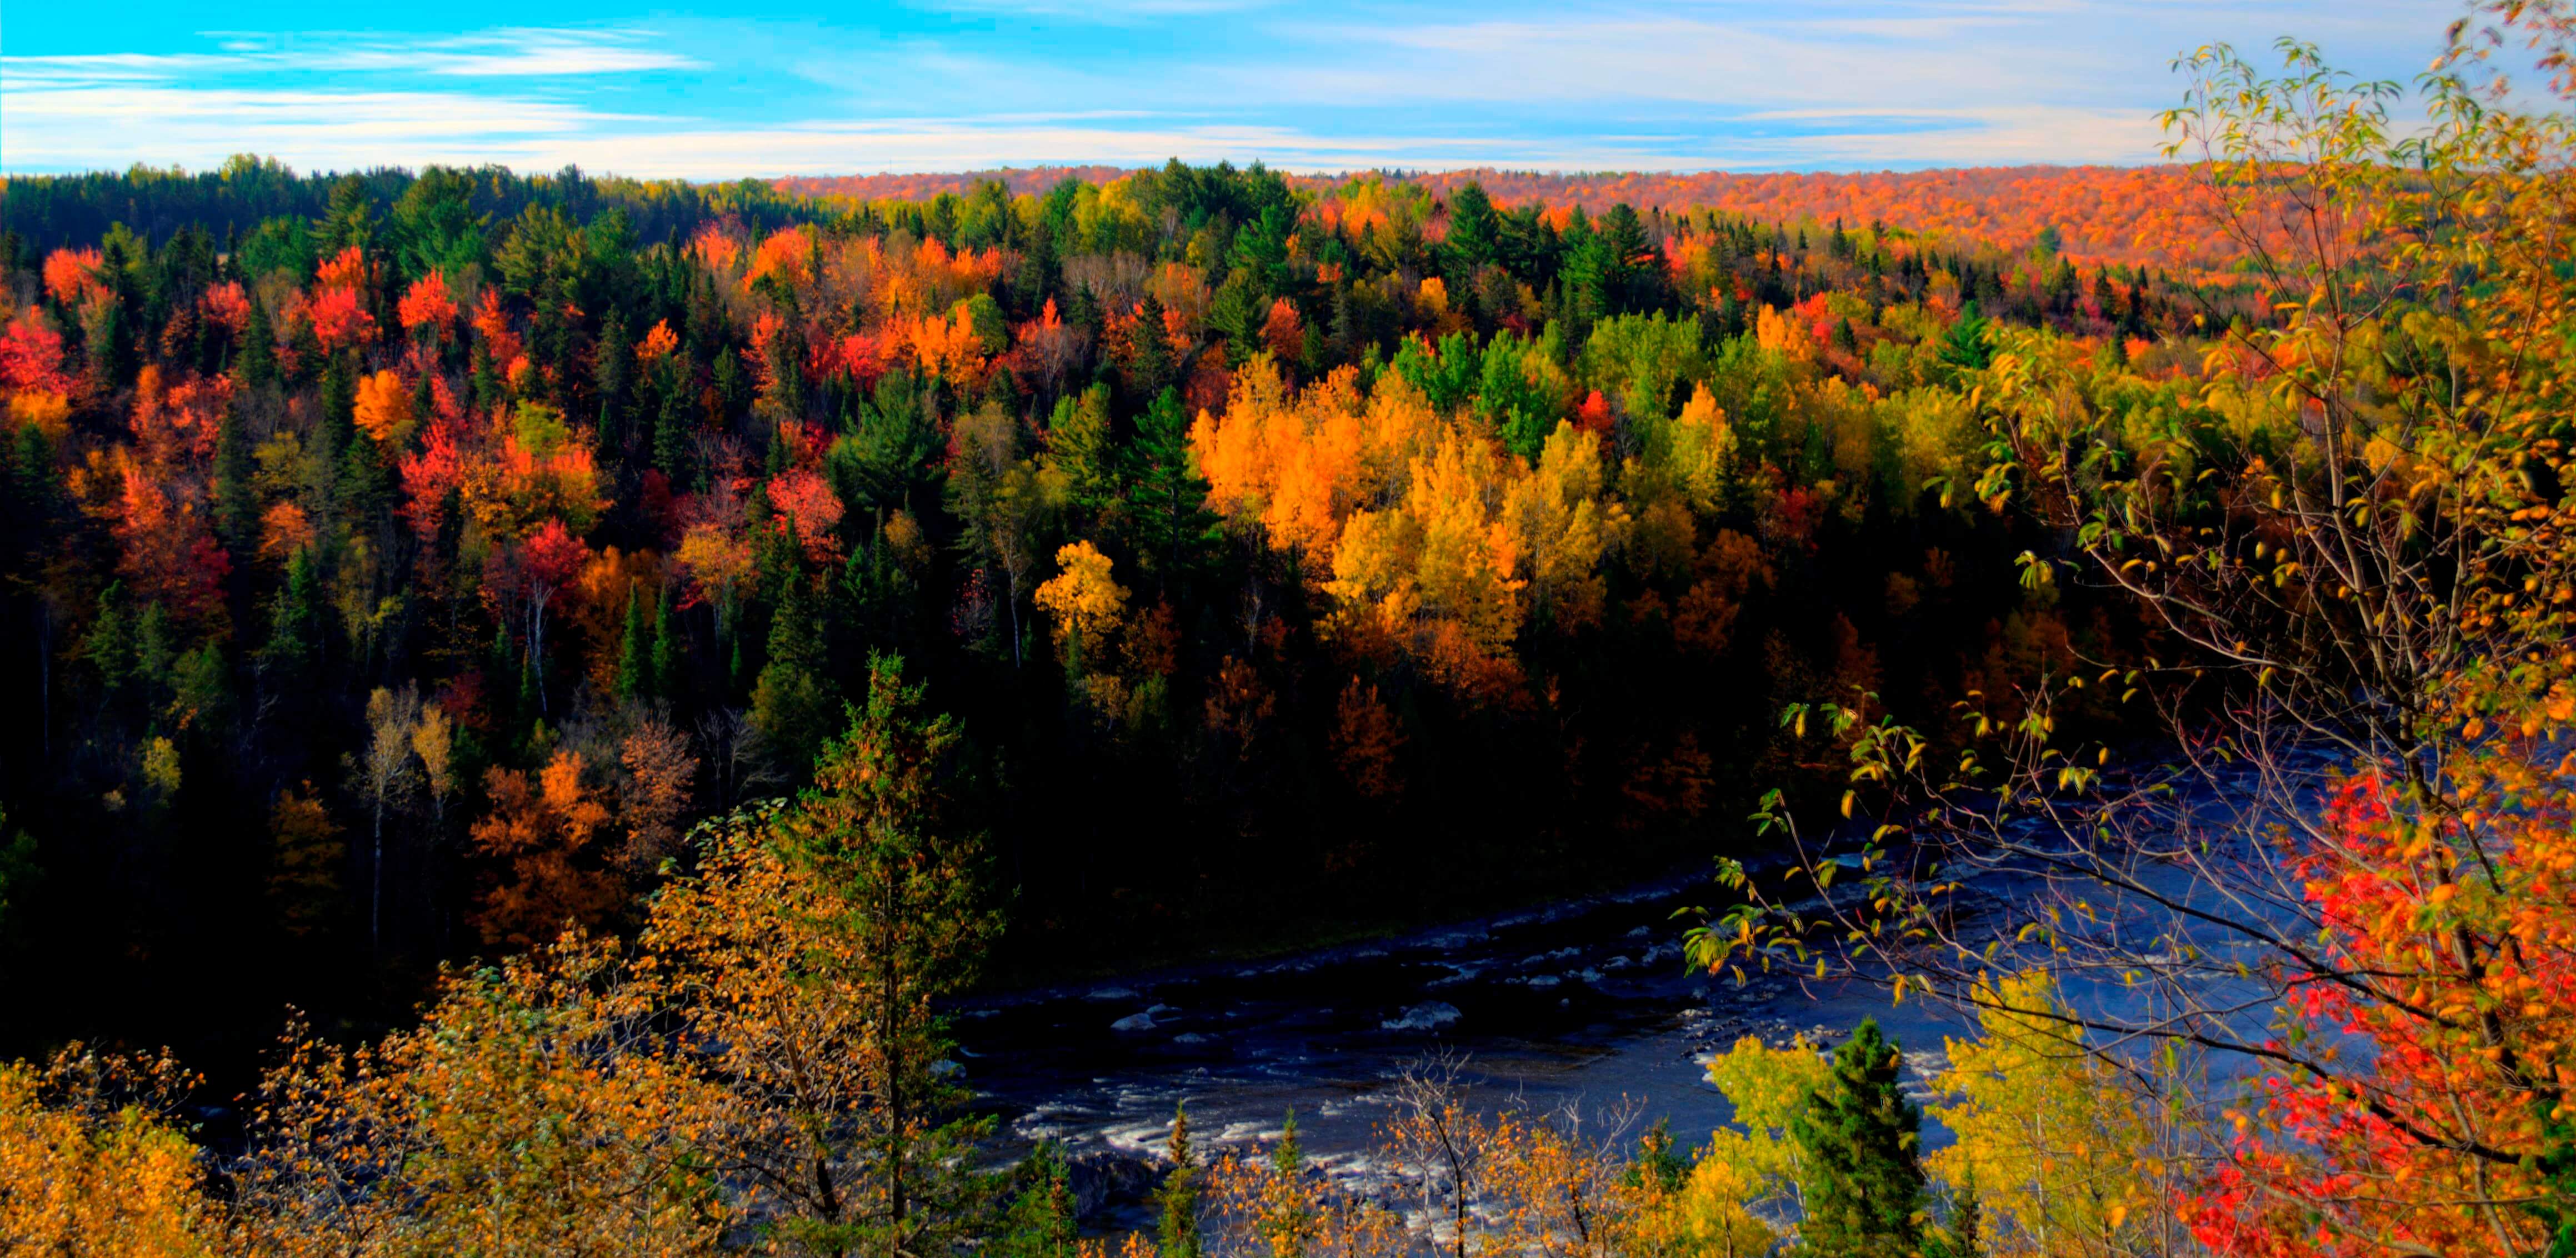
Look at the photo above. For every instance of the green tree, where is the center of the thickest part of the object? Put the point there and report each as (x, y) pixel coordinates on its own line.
(1472, 232)
(880, 827)
(1040, 1222)
(1079, 454)
(1179, 1195)
(1864, 1182)
(1165, 492)
(635, 674)
(792, 703)
(665, 656)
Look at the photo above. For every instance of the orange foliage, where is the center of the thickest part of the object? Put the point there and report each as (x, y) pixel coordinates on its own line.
(494, 327)
(227, 306)
(941, 348)
(428, 304)
(72, 276)
(284, 530)
(384, 409)
(657, 344)
(181, 422)
(346, 269)
(543, 833)
(340, 319)
(788, 253)
(169, 551)
(715, 249)
(1283, 332)
(429, 476)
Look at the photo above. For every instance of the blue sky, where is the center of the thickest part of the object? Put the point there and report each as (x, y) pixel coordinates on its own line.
(767, 88)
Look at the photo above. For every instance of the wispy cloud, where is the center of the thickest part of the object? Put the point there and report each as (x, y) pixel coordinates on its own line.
(1098, 12)
(497, 54)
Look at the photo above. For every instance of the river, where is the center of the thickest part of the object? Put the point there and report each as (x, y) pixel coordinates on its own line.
(1585, 1003)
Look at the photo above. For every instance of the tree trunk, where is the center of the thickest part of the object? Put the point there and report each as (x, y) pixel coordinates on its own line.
(376, 882)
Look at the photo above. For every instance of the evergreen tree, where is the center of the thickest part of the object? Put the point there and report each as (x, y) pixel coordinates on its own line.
(351, 220)
(1966, 348)
(1472, 231)
(236, 500)
(665, 661)
(1864, 1188)
(110, 644)
(1626, 260)
(1040, 1222)
(613, 364)
(793, 703)
(1165, 491)
(1658, 1165)
(1179, 1197)
(634, 651)
(671, 429)
(258, 348)
(1149, 355)
(880, 826)
(1079, 449)
(294, 622)
(1288, 1215)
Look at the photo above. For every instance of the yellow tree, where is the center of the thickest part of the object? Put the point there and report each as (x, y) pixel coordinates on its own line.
(535, 1109)
(2067, 1153)
(91, 1164)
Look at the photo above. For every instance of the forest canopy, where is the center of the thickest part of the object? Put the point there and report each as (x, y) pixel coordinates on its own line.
(614, 659)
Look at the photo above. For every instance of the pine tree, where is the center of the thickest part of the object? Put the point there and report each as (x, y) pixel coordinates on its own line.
(880, 827)
(612, 365)
(1179, 1197)
(1288, 1214)
(1040, 1222)
(1471, 231)
(634, 652)
(1864, 1187)
(1166, 492)
(671, 431)
(793, 703)
(666, 647)
(258, 348)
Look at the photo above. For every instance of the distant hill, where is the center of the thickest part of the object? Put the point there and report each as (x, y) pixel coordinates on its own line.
(917, 187)
(2128, 214)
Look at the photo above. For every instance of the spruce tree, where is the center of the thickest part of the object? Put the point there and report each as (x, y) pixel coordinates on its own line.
(236, 499)
(1040, 1222)
(1179, 1197)
(1288, 1215)
(666, 647)
(671, 433)
(1165, 492)
(1865, 1193)
(634, 653)
(794, 703)
(1149, 363)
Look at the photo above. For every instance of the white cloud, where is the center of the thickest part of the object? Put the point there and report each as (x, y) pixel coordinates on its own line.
(1097, 12)
(499, 54)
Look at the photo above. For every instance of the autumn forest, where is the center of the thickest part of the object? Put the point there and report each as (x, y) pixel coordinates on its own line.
(532, 693)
